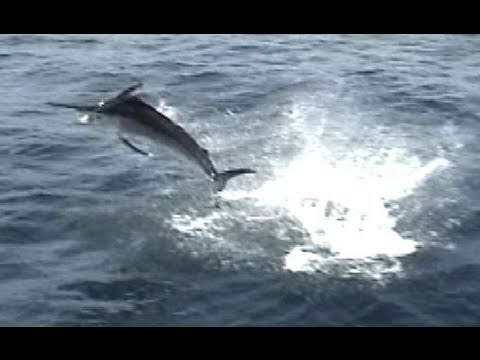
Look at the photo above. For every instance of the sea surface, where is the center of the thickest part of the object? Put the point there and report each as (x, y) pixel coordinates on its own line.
(364, 210)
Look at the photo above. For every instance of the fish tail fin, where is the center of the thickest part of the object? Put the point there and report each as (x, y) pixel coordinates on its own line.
(221, 179)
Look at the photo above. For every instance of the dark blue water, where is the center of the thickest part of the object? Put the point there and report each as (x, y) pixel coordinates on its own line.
(364, 211)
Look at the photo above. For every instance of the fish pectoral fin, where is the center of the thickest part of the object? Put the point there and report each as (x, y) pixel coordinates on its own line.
(133, 147)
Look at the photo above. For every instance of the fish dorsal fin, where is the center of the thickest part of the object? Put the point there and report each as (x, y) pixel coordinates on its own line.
(123, 95)
(129, 90)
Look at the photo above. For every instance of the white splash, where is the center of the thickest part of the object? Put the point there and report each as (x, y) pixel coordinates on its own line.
(187, 224)
(84, 119)
(342, 207)
(340, 202)
(169, 111)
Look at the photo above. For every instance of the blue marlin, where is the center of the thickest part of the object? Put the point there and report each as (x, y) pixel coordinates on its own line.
(134, 116)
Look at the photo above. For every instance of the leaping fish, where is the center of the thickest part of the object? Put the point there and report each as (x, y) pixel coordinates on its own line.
(136, 117)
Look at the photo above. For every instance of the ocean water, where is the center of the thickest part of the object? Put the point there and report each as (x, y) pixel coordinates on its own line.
(364, 210)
